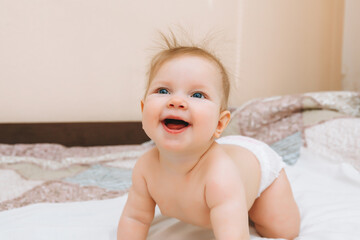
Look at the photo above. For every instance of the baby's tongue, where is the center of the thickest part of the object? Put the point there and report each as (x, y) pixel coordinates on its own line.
(176, 124)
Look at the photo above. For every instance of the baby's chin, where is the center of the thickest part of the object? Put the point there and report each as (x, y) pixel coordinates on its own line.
(172, 144)
(185, 146)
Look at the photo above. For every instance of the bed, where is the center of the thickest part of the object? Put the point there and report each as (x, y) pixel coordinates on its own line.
(70, 181)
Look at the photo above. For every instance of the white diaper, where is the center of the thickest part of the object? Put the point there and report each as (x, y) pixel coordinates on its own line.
(270, 162)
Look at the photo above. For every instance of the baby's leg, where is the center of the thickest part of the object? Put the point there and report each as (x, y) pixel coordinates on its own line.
(275, 212)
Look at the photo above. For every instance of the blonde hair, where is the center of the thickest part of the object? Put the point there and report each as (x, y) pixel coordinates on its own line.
(174, 49)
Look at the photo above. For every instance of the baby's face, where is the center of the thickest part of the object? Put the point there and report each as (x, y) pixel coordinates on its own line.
(181, 108)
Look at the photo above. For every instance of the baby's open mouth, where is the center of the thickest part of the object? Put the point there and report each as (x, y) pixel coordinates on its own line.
(175, 124)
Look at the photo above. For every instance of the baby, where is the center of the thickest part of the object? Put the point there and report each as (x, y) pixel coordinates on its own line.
(192, 174)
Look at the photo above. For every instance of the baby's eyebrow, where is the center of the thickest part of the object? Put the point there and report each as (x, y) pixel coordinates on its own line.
(203, 87)
(161, 83)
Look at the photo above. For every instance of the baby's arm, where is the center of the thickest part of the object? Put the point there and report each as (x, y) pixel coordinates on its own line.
(226, 199)
(138, 213)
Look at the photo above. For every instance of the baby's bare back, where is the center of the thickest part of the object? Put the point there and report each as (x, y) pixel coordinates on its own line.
(184, 196)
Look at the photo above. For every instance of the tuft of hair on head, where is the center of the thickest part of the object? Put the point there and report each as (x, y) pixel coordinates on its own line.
(172, 47)
(170, 42)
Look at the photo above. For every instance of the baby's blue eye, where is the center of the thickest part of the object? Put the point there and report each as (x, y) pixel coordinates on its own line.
(198, 95)
(163, 91)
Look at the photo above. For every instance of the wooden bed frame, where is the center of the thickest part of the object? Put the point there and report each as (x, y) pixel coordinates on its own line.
(74, 134)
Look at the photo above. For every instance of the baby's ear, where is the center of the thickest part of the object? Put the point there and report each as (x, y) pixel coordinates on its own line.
(224, 120)
(142, 105)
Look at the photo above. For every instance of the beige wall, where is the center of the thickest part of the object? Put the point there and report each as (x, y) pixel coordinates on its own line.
(290, 47)
(351, 46)
(86, 60)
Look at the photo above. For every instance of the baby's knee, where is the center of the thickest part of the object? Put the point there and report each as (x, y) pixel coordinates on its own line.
(290, 233)
(287, 229)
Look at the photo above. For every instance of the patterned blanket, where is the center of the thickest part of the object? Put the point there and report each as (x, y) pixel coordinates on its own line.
(327, 122)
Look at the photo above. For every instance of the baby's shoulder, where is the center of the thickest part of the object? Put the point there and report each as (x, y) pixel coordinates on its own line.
(218, 161)
(221, 172)
(150, 155)
(148, 160)
(230, 159)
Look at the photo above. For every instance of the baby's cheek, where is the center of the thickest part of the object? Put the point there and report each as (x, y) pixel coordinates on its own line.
(148, 119)
(208, 119)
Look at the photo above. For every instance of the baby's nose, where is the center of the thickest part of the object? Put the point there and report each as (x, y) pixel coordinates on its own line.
(177, 102)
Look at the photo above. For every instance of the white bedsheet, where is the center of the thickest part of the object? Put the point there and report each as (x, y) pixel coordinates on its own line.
(328, 195)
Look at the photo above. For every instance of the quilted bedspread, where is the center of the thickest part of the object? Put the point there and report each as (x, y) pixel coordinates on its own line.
(328, 123)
